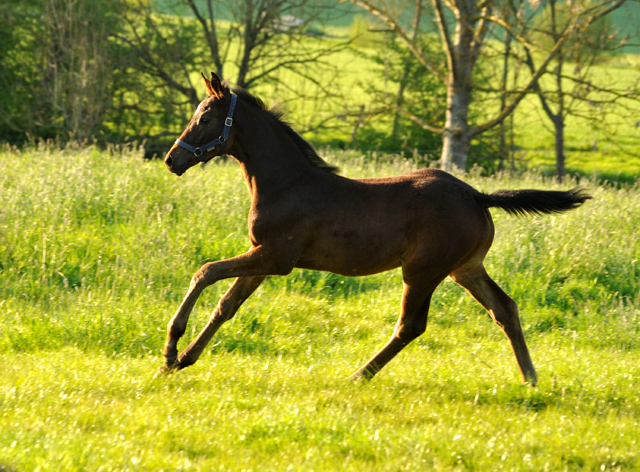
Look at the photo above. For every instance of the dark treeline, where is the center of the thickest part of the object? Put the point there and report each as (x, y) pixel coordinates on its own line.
(121, 70)
(62, 76)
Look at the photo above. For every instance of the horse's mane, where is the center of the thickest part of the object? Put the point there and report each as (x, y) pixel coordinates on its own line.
(307, 149)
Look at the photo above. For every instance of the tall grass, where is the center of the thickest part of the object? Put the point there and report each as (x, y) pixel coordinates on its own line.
(96, 252)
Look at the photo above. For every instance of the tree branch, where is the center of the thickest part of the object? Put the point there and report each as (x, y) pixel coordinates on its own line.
(393, 24)
(209, 33)
(420, 122)
(446, 38)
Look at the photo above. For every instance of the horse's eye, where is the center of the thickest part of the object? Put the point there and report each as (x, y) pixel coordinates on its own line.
(204, 119)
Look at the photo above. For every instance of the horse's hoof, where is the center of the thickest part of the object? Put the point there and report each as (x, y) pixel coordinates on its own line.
(530, 379)
(169, 369)
(359, 376)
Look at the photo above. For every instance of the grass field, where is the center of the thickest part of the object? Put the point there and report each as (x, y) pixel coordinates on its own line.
(97, 249)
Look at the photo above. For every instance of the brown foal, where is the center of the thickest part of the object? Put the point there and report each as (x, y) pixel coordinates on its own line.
(304, 215)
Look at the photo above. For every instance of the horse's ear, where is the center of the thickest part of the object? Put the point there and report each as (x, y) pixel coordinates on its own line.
(213, 86)
(207, 84)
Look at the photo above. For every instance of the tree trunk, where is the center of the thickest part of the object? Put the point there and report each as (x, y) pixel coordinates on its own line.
(462, 54)
(455, 136)
(558, 122)
(559, 126)
(504, 153)
(249, 44)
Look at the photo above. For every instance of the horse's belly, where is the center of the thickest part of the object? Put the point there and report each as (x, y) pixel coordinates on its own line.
(352, 256)
(352, 269)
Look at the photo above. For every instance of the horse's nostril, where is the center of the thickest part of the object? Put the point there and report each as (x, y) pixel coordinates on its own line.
(168, 161)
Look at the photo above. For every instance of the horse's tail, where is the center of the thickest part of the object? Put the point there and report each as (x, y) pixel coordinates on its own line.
(537, 202)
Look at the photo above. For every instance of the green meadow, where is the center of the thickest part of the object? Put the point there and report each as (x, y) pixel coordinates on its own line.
(97, 248)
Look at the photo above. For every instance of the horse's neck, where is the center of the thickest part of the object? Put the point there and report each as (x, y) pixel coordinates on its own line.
(269, 158)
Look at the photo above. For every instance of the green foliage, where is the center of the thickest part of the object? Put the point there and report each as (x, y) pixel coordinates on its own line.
(401, 87)
(96, 252)
(119, 100)
(599, 37)
(58, 69)
(143, 104)
(360, 33)
(20, 59)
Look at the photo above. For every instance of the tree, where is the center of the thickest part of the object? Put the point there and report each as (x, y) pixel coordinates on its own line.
(79, 64)
(571, 82)
(463, 26)
(57, 68)
(247, 42)
(19, 35)
(404, 89)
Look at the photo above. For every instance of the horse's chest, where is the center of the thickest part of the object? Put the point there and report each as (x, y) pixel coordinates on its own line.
(269, 224)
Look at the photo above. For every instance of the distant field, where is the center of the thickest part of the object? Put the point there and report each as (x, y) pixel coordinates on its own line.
(96, 252)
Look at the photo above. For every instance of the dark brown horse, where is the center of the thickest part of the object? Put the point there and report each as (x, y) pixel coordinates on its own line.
(302, 214)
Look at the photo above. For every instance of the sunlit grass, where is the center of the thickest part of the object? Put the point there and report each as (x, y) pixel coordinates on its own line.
(436, 410)
(96, 252)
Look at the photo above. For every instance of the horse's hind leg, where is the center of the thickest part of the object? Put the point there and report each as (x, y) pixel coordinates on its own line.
(411, 324)
(229, 304)
(503, 311)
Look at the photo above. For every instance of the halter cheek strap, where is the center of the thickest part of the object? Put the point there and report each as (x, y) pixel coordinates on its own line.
(221, 140)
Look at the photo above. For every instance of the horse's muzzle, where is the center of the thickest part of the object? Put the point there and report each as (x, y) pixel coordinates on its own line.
(177, 163)
(169, 162)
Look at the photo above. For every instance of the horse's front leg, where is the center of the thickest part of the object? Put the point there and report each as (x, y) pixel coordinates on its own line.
(252, 267)
(229, 304)
(178, 324)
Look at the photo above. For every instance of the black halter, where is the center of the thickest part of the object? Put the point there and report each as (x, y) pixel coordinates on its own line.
(221, 140)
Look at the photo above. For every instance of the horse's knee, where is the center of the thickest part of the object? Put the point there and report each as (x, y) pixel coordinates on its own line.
(225, 310)
(512, 308)
(201, 278)
(205, 276)
(176, 328)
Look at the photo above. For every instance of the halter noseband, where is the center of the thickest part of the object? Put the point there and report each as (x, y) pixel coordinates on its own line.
(221, 140)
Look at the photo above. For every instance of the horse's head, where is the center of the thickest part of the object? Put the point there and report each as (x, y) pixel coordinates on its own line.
(208, 132)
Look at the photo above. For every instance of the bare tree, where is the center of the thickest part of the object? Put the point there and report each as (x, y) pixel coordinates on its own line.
(77, 73)
(248, 42)
(463, 26)
(572, 88)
